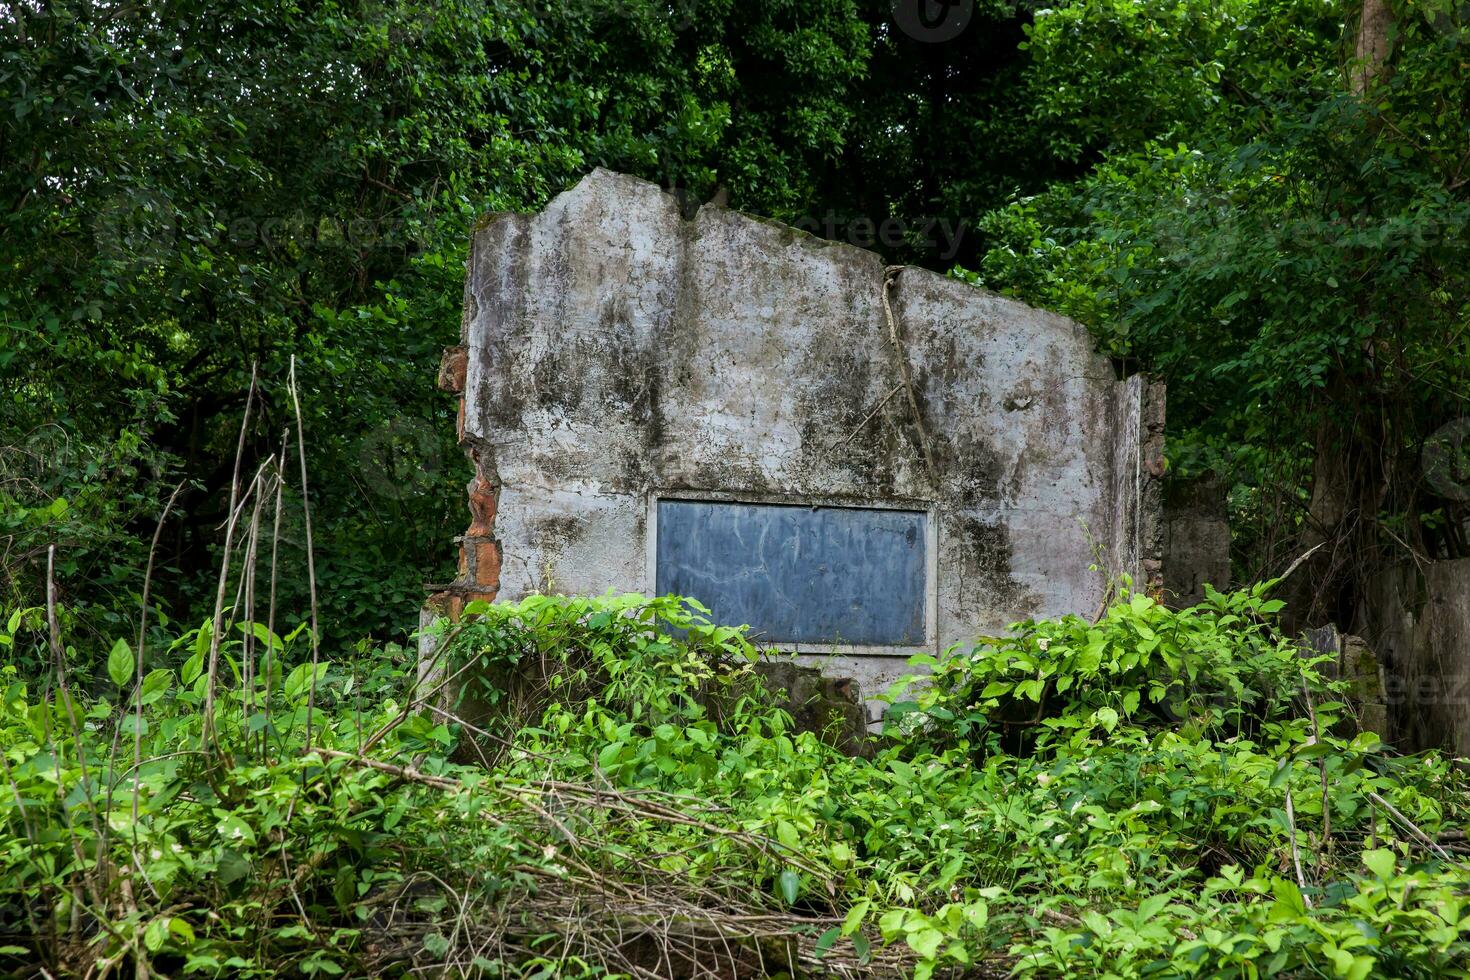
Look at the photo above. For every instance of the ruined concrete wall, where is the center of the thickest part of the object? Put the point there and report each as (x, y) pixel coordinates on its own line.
(1136, 530)
(1358, 667)
(1196, 539)
(1417, 619)
(615, 351)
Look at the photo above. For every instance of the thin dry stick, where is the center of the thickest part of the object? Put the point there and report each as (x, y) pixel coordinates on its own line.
(310, 557)
(1321, 764)
(242, 549)
(270, 624)
(1299, 562)
(1296, 855)
(29, 853)
(611, 801)
(224, 570)
(142, 635)
(253, 540)
(416, 699)
(876, 409)
(1411, 827)
(138, 659)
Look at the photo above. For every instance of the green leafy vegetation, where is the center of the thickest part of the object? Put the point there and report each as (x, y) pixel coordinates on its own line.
(195, 193)
(1277, 224)
(1157, 794)
(1237, 197)
(1264, 202)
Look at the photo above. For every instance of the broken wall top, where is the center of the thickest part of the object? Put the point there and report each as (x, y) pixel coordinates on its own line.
(618, 352)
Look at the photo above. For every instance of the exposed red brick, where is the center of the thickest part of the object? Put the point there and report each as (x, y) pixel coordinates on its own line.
(479, 552)
(484, 502)
(452, 368)
(452, 603)
(486, 563)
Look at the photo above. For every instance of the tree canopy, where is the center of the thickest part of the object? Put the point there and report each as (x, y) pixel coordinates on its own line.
(1222, 191)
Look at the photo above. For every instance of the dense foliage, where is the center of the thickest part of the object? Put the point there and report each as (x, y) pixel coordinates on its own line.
(1266, 202)
(640, 806)
(193, 192)
(196, 192)
(1278, 225)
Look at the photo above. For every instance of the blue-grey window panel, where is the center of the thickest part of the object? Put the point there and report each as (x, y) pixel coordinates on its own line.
(798, 574)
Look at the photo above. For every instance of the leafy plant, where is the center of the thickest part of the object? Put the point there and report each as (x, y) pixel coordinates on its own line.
(638, 799)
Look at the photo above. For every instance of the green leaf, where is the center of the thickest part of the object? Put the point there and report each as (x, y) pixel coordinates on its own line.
(1289, 902)
(977, 914)
(890, 923)
(1312, 748)
(192, 668)
(182, 929)
(789, 885)
(120, 663)
(263, 634)
(155, 685)
(926, 942)
(318, 963)
(1380, 861)
(1152, 906)
(155, 934)
(232, 867)
(825, 941)
(300, 681)
(607, 757)
(232, 828)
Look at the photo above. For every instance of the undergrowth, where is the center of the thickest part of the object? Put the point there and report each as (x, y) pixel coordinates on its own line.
(1158, 793)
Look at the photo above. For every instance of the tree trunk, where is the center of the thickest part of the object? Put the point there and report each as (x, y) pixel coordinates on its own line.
(1370, 61)
(1350, 473)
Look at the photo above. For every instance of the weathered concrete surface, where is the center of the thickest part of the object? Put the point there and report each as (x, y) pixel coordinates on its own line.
(1196, 539)
(617, 351)
(827, 707)
(1417, 617)
(1356, 663)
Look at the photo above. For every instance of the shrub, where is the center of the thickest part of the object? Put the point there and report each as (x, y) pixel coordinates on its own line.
(643, 808)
